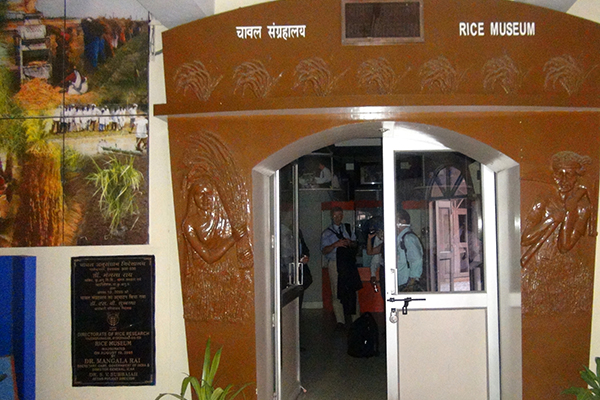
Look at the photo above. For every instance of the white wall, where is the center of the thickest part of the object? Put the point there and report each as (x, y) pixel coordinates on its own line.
(53, 301)
(590, 9)
(227, 5)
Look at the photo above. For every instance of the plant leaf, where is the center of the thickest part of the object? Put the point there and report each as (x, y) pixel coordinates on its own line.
(203, 388)
(590, 378)
(215, 366)
(575, 390)
(170, 394)
(237, 392)
(196, 387)
(184, 384)
(218, 394)
(206, 365)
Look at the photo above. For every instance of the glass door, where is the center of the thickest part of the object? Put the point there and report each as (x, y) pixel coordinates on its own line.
(441, 293)
(289, 284)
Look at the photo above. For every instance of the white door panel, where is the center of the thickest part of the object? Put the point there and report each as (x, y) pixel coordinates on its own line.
(290, 355)
(440, 344)
(443, 355)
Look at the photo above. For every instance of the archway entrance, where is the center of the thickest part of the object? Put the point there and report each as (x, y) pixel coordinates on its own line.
(398, 139)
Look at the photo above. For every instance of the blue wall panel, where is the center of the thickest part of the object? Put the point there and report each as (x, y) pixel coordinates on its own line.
(17, 319)
(6, 319)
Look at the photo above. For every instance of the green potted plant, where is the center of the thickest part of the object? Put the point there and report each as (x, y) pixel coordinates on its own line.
(593, 390)
(204, 388)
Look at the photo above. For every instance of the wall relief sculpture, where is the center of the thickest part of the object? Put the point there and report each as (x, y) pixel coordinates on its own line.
(215, 236)
(439, 74)
(504, 73)
(567, 73)
(314, 73)
(253, 75)
(378, 75)
(555, 278)
(194, 77)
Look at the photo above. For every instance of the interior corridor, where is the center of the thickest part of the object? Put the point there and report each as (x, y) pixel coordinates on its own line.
(328, 372)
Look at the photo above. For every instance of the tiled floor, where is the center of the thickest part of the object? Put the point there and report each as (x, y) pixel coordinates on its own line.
(328, 372)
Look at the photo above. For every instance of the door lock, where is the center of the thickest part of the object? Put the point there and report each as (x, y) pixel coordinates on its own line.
(406, 301)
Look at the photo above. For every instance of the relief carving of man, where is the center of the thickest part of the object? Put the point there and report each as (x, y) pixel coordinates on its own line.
(554, 278)
(217, 281)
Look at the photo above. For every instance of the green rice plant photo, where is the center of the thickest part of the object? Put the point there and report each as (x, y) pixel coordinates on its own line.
(203, 388)
(118, 185)
(592, 379)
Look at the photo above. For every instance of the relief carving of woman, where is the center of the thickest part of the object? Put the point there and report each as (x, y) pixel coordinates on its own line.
(554, 278)
(217, 281)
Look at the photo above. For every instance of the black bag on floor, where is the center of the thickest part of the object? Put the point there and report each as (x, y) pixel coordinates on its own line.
(363, 337)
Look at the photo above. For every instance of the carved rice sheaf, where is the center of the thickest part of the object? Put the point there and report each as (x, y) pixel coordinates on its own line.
(253, 75)
(566, 73)
(378, 75)
(439, 74)
(194, 77)
(503, 72)
(315, 74)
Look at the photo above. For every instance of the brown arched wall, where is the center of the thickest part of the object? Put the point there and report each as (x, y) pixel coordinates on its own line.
(248, 95)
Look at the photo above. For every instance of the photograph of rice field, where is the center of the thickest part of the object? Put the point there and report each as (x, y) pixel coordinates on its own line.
(73, 123)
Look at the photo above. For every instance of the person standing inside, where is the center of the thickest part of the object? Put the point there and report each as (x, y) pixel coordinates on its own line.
(304, 259)
(325, 176)
(409, 257)
(338, 243)
(375, 249)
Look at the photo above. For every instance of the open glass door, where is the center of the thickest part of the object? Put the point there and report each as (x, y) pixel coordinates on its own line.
(289, 284)
(440, 271)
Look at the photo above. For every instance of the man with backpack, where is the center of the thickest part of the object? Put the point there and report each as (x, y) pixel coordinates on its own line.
(409, 256)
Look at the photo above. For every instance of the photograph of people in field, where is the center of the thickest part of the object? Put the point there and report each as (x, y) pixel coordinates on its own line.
(73, 123)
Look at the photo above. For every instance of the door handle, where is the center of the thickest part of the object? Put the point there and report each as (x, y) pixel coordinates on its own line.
(406, 301)
(300, 274)
(291, 274)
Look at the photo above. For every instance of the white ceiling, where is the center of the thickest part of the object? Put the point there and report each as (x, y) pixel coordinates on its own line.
(178, 12)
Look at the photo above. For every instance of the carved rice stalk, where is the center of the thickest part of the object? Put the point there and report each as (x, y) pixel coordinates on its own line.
(254, 76)
(194, 77)
(566, 72)
(439, 74)
(379, 74)
(314, 73)
(502, 71)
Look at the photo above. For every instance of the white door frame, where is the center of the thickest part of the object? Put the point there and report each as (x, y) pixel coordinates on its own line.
(286, 318)
(501, 169)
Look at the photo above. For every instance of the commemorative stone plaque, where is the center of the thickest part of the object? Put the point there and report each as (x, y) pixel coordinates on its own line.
(112, 312)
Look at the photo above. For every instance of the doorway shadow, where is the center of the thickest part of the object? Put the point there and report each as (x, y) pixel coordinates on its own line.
(327, 371)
